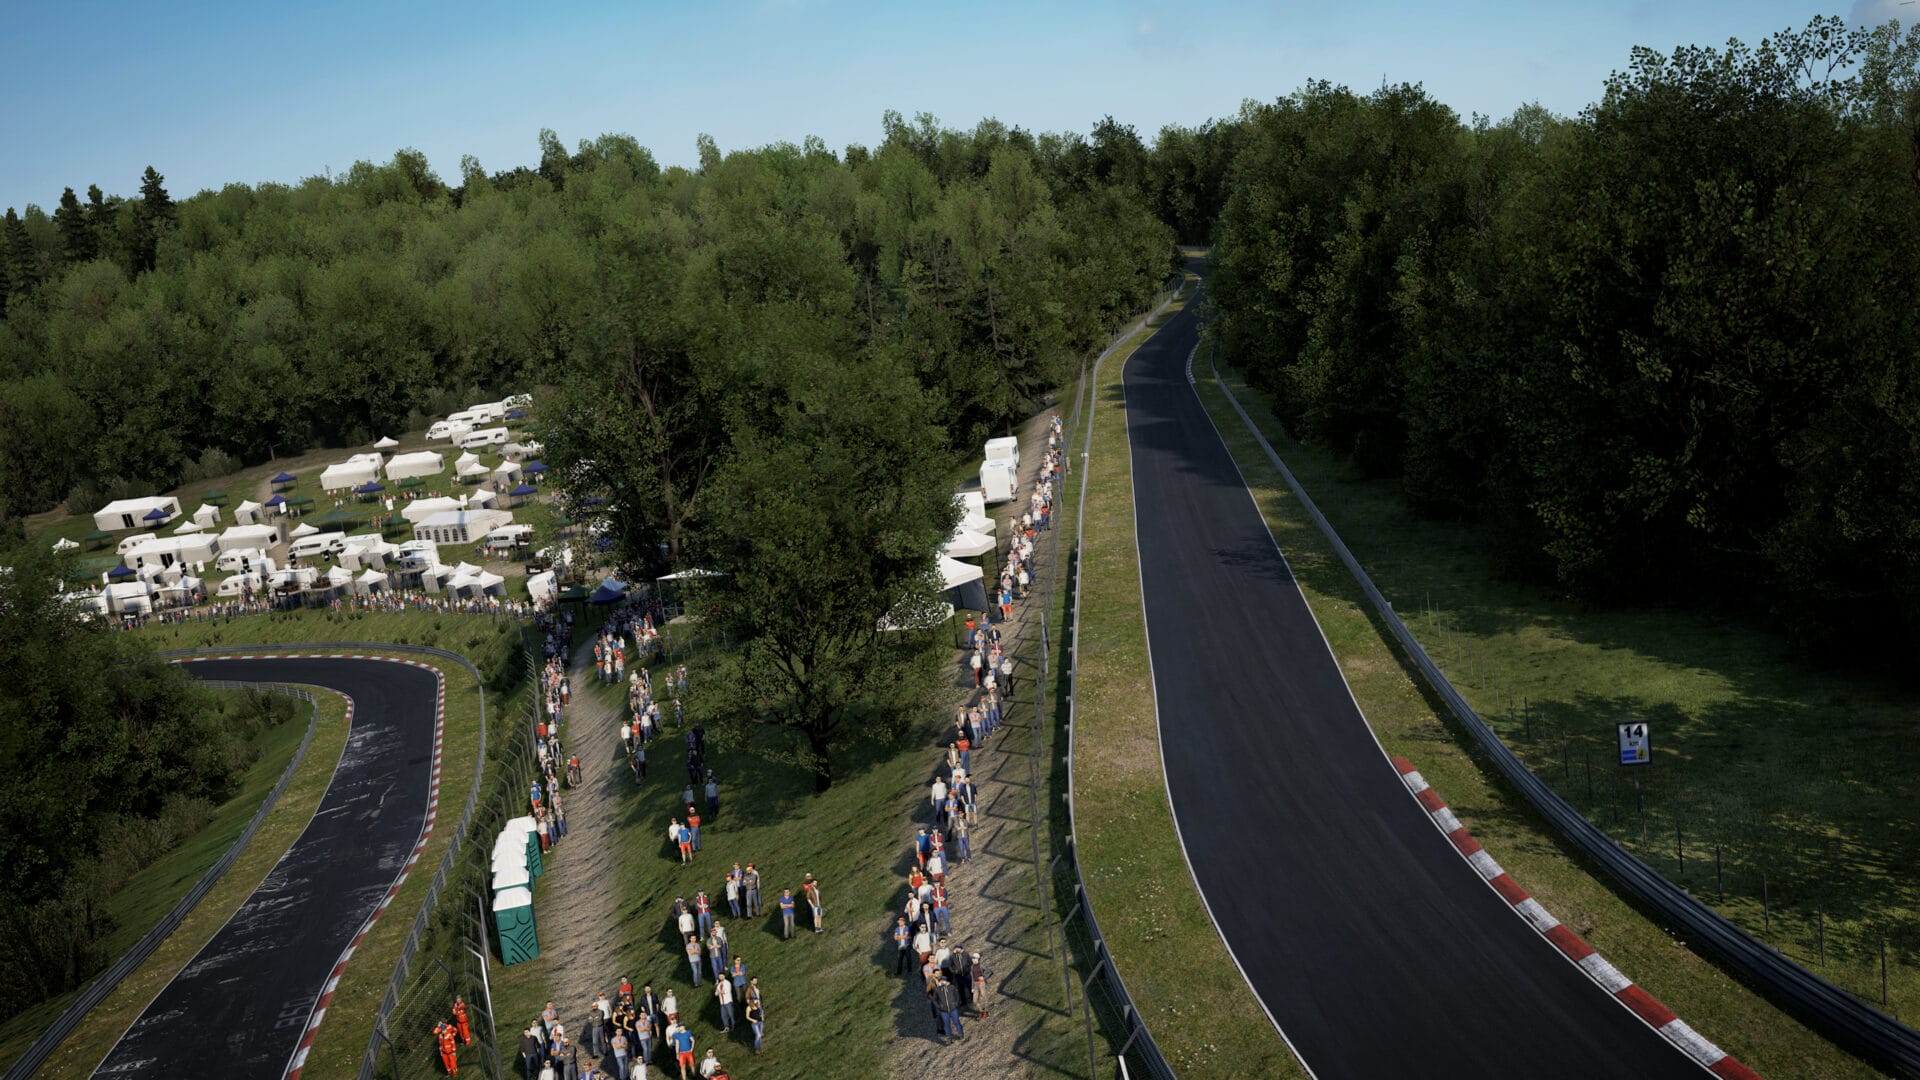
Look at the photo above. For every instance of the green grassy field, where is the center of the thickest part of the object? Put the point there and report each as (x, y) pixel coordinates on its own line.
(163, 883)
(834, 1006)
(1161, 939)
(1606, 664)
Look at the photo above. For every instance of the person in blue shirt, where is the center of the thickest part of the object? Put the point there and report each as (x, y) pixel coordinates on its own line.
(683, 1050)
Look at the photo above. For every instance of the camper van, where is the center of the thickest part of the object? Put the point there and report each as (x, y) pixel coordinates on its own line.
(1005, 449)
(493, 436)
(134, 541)
(997, 481)
(448, 429)
(326, 543)
(509, 537)
(237, 559)
(488, 413)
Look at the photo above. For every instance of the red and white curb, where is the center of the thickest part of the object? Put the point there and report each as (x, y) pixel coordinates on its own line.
(1571, 945)
(325, 997)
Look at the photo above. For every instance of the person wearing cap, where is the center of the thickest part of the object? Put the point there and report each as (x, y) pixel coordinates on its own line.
(703, 910)
(682, 1042)
(786, 914)
(812, 889)
(620, 1051)
(693, 825)
(733, 891)
(750, 888)
(717, 950)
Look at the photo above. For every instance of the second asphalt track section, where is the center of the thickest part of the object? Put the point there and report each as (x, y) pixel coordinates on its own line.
(1374, 946)
(239, 1008)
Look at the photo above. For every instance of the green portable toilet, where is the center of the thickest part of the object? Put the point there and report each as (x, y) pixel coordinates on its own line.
(513, 925)
(532, 842)
(511, 877)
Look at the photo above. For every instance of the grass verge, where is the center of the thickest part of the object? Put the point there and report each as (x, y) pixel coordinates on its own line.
(82, 1050)
(1162, 941)
(1409, 722)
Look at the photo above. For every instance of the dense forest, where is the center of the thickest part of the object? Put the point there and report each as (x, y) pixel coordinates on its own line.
(1664, 351)
(150, 340)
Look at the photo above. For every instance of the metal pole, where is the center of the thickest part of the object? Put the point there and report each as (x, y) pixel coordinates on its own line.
(1719, 886)
(1766, 907)
(1883, 974)
(1820, 914)
(1640, 798)
(1589, 757)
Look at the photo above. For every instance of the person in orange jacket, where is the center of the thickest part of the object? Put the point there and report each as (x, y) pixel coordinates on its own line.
(449, 1054)
(460, 1021)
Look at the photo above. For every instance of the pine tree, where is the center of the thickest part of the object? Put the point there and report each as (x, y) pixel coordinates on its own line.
(76, 237)
(22, 266)
(154, 197)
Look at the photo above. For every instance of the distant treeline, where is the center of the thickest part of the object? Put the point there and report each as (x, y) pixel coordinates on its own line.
(145, 342)
(1667, 350)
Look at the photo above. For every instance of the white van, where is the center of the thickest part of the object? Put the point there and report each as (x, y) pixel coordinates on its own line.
(131, 542)
(997, 481)
(486, 414)
(326, 543)
(508, 537)
(234, 559)
(493, 436)
(1004, 449)
(448, 429)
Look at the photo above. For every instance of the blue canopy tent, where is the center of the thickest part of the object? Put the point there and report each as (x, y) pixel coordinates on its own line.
(533, 468)
(283, 478)
(517, 414)
(521, 491)
(155, 515)
(277, 500)
(611, 591)
(369, 488)
(119, 572)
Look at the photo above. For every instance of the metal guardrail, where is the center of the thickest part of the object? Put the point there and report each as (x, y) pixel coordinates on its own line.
(1138, 1038)
(109, 980)
(1846, 1019)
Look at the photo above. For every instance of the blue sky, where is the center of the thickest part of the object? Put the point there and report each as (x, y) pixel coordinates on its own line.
(252, 92)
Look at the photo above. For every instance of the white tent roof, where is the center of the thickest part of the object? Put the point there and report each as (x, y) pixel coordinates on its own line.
(681, 575)
(421, 509)
(347, 474)
(338, 578)
(207, 513)
(420, 463)
(467, 458)
(302, 529)
(190, 527)
(481, 499)
(967, 544)
(506, 468)
(246, 506)
(954, 573)
(974, 501)
(371, 577)
(385, 443)
(473, 468)
(978, 523)
(64, 544)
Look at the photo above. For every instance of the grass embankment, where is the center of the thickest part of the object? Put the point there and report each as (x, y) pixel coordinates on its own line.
(157, 888)
(1582, 671)
(342, 1039)
(834, 1006)
(1161, 939)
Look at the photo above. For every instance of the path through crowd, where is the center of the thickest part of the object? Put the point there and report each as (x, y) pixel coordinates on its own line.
(996, 908)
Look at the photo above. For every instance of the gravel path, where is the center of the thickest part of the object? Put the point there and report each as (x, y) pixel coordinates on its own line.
(580, 895)
(994, 903)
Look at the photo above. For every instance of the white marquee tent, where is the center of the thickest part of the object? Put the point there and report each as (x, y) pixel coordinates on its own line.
(348, 474)
(967, 544)
(247, 513)
(420, 463)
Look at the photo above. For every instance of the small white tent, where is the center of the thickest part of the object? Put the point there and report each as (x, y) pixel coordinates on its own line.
(421, 509)
(347, 474)
(506, 474)
(967, 544)
(385, 443)
(421, 463)
(64, 544)
(472, 469)
(369, 582)
(300, 530)
(129, 597)
(189, 527)
(964, 584)
(247, 513)
(540, 587)
(208, 515)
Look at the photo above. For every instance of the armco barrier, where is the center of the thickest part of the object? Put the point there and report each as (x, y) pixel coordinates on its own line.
(1846, 1019)
(1138, 1039)
(412, 942)
(97, 991)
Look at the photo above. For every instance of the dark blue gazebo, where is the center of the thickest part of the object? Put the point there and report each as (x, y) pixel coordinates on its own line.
(611, 591)
(533, 468)
(284, 478)
(157, 514)
(517, 414)
(369, 488)
(119, 572)
(277, 500)
(521, 491)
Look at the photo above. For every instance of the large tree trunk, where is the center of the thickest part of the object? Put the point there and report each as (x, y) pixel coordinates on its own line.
(818, 742)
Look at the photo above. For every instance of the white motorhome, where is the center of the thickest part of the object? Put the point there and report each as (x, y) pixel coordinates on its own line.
(493, 436)
(236, 559)
(997, 482)
(134, 541)
(448, 429)
(509, 537)
(1004, 449)
(488, 413)
(326, 543)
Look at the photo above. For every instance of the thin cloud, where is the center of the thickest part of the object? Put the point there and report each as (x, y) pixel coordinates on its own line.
(1878, 12)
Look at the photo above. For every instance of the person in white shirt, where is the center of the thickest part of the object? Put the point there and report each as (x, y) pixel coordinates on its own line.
(710, 1065)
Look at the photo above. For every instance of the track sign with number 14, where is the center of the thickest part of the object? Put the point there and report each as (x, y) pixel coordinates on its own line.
(1635, 744)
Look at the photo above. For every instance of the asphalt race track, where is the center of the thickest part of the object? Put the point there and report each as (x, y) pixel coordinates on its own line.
(1376, 948)
(239, 1008)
